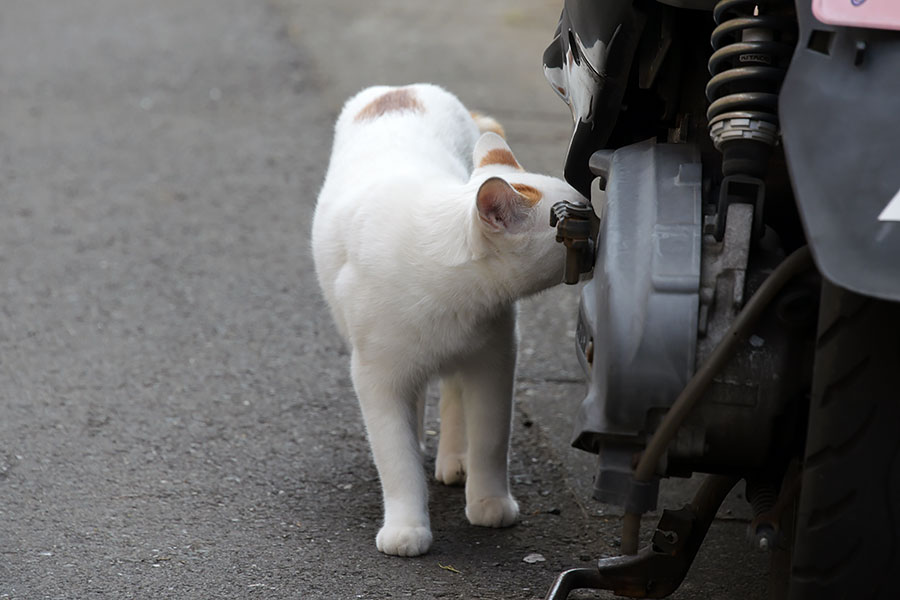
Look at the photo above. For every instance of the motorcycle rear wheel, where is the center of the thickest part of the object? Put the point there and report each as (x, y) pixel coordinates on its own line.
(847, 525)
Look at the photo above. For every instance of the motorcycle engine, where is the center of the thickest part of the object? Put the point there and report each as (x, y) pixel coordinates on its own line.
(665, 290)
(682, 242)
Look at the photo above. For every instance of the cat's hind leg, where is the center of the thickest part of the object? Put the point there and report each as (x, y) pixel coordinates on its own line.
(450, 464)
(487, 393)
(389, 410)
(420, 419)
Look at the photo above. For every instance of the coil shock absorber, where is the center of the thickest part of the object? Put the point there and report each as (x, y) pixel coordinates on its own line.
(752, 47)
(753, 43)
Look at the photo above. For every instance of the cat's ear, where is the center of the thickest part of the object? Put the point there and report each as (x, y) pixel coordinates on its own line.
(501, 208)
(492, 150)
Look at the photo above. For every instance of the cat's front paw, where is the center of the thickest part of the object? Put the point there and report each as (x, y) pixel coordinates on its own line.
(493, 511)
(450, 469)
(403, 540)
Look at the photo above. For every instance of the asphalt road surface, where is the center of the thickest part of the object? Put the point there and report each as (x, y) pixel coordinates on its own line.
(176, 414)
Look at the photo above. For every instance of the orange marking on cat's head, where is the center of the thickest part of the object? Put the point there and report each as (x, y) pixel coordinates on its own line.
(532, 195)
(499, 156)
(397, 100)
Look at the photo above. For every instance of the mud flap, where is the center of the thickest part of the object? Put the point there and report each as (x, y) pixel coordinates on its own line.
(840, 119)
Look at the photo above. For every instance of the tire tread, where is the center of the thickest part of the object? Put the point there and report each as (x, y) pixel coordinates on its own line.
(847, 532)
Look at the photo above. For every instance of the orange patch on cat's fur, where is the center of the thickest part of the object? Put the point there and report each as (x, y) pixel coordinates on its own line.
(486, 123)
(499, 156)
(393, 101)
(531, 194)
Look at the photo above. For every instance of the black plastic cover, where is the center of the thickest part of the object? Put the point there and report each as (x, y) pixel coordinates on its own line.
(840, 119)
(588, 63)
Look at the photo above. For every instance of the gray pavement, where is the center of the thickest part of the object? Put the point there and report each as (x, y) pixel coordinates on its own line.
(176, 416)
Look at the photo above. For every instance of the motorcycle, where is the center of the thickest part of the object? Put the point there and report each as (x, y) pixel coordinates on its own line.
(742, 313)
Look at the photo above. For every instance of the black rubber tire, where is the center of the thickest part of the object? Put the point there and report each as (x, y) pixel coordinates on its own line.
(847, 536)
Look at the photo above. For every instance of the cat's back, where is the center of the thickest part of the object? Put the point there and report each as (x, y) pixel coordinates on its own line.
(396, 150)
(420, 123)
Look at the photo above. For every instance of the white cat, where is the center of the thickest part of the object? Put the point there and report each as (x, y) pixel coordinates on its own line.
(424, 236)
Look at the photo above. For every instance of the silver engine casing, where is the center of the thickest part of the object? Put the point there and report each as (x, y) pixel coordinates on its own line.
(663, 293)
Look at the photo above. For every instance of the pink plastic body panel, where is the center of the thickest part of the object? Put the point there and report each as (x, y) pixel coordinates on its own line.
(872, 14)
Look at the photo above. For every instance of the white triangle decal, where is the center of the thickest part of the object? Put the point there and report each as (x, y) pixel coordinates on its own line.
(891, 212)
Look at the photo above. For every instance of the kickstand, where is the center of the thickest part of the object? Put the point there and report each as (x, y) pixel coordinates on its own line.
(657, 570)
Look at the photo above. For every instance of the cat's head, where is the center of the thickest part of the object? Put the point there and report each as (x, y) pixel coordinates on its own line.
(513, 214)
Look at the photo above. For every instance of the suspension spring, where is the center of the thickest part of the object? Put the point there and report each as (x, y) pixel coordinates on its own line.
(762, 496)
(753, 44)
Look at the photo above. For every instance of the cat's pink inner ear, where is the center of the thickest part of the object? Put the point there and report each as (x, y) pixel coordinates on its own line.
(500, 207)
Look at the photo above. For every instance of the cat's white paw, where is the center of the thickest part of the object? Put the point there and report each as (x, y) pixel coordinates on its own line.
(494, 511)
(450, 469)
(403, 540)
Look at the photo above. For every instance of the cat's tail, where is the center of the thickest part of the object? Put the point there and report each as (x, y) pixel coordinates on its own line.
(486, 123)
